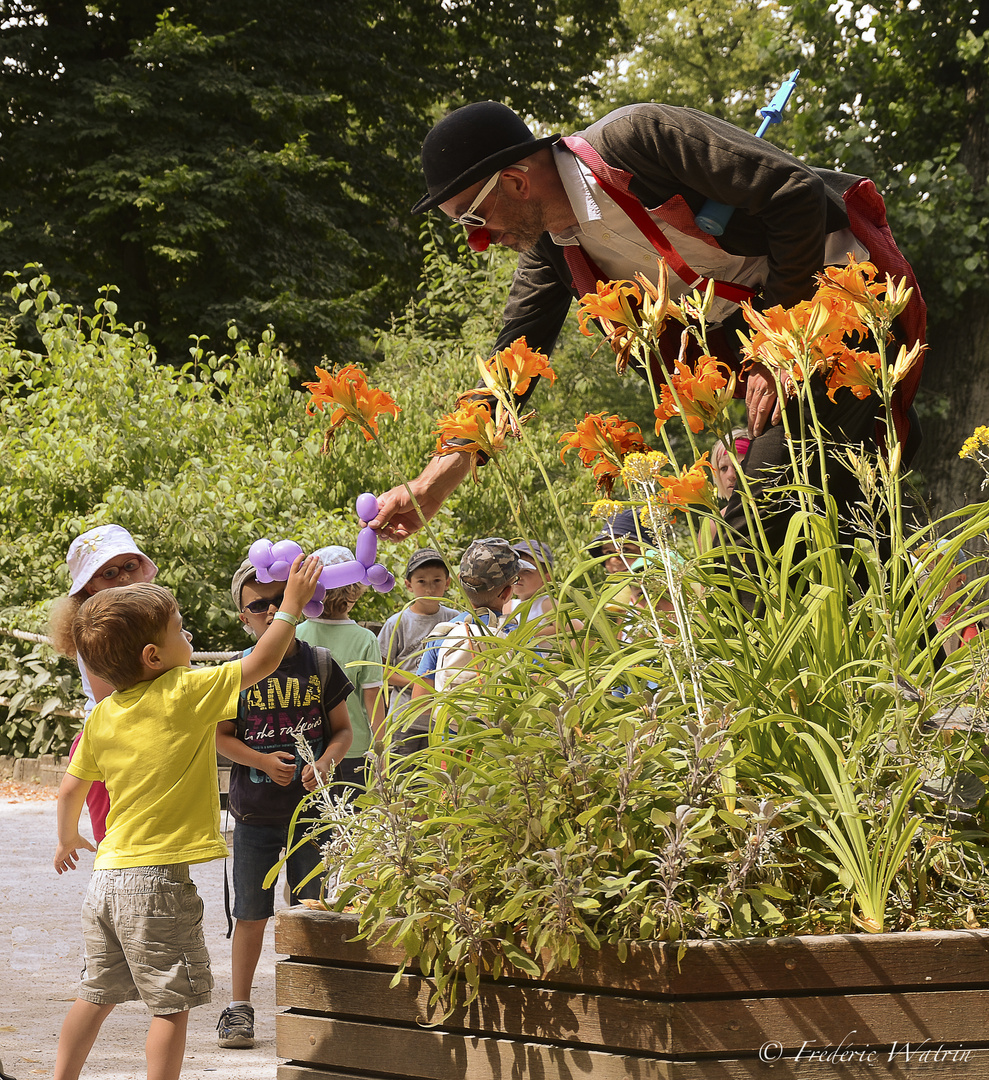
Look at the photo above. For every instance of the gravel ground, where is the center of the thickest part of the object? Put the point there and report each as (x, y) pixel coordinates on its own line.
(41, 956)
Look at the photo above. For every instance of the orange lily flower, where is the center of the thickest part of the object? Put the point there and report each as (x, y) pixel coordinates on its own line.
(602, 442)
(616, 307)
(859, 371)
(514, 368)
(355, 400)
(692, 486)
(611, 303)
(795, 342)
(666, 409)
(472, 423)
(704, 393)
(852, 284)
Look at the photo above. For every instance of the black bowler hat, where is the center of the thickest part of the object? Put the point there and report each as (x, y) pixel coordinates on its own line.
(471, 144)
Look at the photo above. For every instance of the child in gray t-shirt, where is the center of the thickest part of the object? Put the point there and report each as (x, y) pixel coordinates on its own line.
(403, 637)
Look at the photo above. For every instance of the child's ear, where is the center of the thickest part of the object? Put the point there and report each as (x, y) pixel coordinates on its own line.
(150, 656)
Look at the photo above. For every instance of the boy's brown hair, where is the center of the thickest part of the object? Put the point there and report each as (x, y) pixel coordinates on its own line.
(112, 627)
(338, 602)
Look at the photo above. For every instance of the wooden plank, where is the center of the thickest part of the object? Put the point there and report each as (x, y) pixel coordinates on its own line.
(975, 1066)
(601, 1021)
(744, 1026)
(332, 1049)
(616, 1023)
(745, 968)
(325, 935)
(421, 1054)
(970, 1065)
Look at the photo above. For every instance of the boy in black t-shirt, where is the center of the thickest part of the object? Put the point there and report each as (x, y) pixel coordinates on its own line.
(306, 695)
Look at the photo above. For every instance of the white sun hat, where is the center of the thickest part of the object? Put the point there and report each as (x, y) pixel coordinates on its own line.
(93, 549)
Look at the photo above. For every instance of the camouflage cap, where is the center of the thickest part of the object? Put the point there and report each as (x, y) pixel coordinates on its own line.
(490, 564)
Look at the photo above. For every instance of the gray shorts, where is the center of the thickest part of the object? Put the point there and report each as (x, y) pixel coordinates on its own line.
(143, 929)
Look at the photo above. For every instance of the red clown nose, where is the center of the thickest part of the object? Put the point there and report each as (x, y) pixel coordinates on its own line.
(479, 240)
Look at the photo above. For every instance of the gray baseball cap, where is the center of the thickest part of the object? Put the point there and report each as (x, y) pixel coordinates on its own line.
(534, 551)
(425, 555)
(491, 563)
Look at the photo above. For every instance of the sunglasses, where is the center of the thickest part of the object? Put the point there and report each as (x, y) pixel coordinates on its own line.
(260, 607)
(469, 219)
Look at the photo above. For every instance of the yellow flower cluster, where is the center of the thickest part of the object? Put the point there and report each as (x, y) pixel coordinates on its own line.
(978, 440)
(606, 508)
(644, 467)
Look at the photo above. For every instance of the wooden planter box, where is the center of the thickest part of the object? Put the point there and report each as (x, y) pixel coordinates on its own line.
(849, 1006)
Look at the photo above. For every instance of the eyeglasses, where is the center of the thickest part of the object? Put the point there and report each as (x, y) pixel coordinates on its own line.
(109, 573)
(260, 607)
(468, 218)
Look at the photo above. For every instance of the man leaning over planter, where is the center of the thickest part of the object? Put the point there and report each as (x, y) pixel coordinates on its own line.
(604, 203)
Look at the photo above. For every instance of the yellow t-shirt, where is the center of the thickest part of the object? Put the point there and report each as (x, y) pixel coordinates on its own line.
(154, 746)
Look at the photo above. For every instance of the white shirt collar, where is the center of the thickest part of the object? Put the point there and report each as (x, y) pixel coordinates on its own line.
(574, 176)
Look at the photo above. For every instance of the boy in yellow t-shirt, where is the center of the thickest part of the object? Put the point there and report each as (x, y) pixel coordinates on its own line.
(152, 743)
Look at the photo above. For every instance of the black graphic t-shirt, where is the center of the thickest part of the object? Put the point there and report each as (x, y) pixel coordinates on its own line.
(291, 700)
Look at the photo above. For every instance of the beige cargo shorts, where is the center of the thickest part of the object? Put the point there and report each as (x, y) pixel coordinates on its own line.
(143, 930)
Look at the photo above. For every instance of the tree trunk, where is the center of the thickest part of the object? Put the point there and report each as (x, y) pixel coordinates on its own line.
(955, 387)
(954, 398)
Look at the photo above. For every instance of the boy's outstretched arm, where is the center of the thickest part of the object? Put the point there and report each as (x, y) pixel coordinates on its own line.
(72, 794)
(267, 654)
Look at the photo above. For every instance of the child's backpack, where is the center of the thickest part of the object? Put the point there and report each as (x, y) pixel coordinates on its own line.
(464, 642)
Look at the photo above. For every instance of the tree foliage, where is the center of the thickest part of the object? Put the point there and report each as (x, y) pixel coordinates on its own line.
(227, 161)
(726, 58)
(898, 92)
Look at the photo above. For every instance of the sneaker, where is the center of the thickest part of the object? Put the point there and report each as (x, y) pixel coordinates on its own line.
(236, 1028)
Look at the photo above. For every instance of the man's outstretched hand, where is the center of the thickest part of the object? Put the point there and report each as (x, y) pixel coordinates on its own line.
(398, 518)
